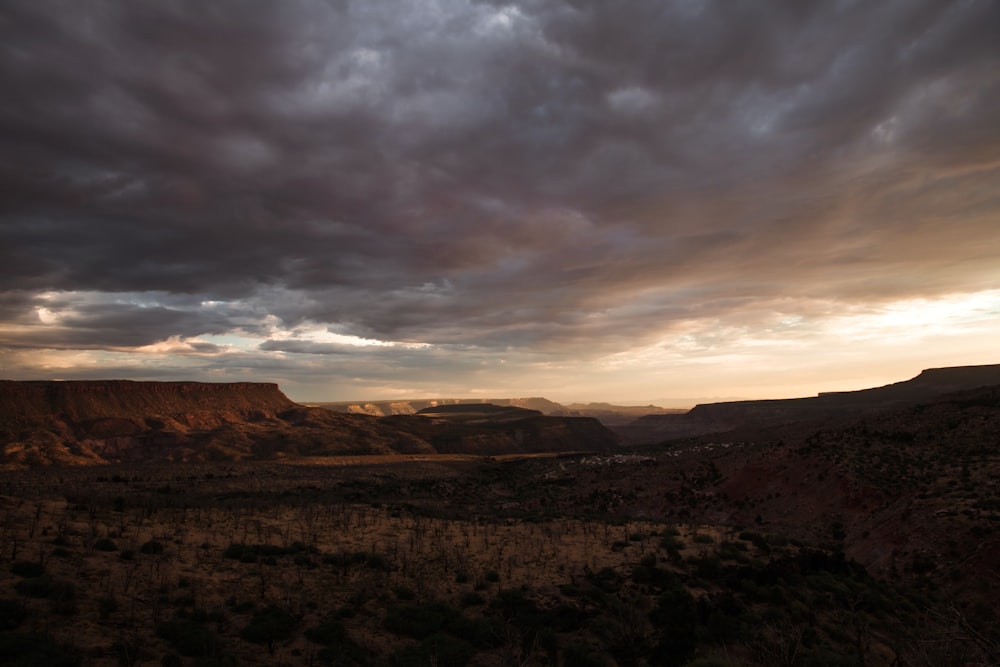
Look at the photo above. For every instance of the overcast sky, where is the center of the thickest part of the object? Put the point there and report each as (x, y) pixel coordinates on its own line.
(584, 200)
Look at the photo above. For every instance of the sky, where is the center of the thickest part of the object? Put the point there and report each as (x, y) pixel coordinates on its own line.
(635, 201)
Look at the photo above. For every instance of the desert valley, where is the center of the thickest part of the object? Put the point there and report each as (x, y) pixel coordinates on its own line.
(223, 524)
(465, 333)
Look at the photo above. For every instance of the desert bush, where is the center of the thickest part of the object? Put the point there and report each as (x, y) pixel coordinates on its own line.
(343, 655)
(571, 590)
(641, 574)
(188, 637)
(438, 649)
(404, 593)
(338, 649)
(152, 547)
(302, 560)
(674, 621)
(472, 599)
(606, 579)
(24, 568)
(672, 545)
(12, 614)
(329, 632)
(251, 553)
(104, 544)
(377, 562)
(580, 655)
(269, 625)
(420, 621)
(244, 607)
(46, 587)
(25, 649)
(482, 631)
(106, 606)
(712, 662)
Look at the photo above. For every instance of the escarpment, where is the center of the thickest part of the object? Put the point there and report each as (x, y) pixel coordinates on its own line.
(111, 421)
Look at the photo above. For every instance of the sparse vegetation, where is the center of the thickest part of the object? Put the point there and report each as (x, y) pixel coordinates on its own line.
(660, 559)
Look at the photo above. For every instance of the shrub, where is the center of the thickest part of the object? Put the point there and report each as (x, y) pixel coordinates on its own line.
(377, 562)
(269, 625)
(483, 631)
(712, 662)
(24, 568)
(37, 649)
(339, 649)
(472, 599)
(188, 638)
(405, 593)
(420, 621)
(104, 544)
(12, 614)
(152, 547)
(438, 649)
(106, 606)
(329, 632)
(46, 587)
(580, 655)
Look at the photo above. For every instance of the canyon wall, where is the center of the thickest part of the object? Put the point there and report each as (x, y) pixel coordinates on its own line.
(97, 422)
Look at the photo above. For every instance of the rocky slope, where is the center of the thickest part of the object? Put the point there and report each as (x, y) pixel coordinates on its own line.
(96, 422)
(748, 416)
(909, 493)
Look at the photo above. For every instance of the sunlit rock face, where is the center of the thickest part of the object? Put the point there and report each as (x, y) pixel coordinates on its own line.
(97, 422)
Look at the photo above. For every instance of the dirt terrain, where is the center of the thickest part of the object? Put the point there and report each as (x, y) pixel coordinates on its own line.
(854, 540)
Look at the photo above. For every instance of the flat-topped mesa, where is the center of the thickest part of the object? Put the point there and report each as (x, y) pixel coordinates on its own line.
(113, 421)
(83, 400)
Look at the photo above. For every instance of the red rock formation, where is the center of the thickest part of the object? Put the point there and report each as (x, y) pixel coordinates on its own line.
(94, 422)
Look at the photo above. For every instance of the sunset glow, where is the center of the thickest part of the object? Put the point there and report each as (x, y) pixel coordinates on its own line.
(632, 203)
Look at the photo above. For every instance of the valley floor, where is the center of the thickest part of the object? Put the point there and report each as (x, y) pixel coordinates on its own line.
(435, 561)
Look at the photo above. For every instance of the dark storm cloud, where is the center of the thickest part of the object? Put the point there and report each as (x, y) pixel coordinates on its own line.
(510, 175)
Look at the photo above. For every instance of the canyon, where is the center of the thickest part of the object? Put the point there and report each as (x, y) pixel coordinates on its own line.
(115, 421)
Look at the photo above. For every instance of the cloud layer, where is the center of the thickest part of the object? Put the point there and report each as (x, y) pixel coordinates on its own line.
(493, 191)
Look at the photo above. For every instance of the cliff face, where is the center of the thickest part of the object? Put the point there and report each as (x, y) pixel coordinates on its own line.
(27, 402)
(87, 423)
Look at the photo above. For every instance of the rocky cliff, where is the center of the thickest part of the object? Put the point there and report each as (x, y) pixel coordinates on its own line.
(185, 402)
(96, 422)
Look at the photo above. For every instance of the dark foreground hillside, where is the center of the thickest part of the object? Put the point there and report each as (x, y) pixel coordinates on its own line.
(430, 564)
